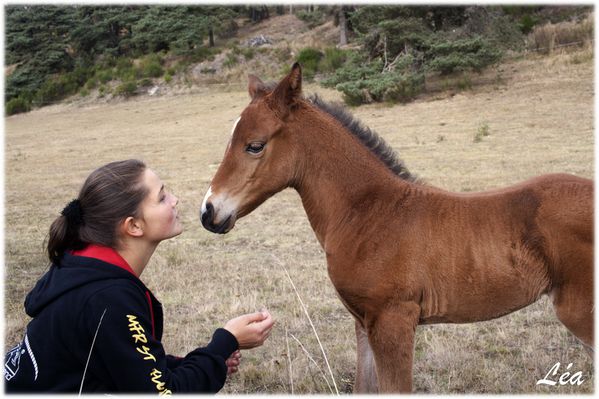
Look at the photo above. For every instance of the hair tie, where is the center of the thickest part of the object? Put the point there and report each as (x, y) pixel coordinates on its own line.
(73, 213)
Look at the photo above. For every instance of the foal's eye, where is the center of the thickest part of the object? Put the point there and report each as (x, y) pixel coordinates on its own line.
(255, 148)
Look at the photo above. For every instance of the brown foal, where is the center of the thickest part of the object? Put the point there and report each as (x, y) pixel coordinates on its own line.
(401, 253)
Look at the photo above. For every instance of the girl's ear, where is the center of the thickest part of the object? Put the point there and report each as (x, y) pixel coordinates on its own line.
(132, 227)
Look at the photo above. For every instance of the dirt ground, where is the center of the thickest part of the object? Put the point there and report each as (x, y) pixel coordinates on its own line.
(537, 118)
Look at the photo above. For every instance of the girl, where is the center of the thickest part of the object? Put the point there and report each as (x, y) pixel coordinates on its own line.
(96, 327)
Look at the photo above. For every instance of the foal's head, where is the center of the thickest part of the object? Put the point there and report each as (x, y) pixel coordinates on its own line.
(260, 158)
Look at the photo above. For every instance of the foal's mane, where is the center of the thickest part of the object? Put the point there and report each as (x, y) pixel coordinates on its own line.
(366, 136)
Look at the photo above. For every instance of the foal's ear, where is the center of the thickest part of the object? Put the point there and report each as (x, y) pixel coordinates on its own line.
(289, 90)
(256, 87)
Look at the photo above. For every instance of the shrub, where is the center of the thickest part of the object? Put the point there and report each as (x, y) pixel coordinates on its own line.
(248, 53)
(390, 86)
(546, 37)
(333, 59)
(202, 54)
(103, 90)
(168, 77)
(104, 76)
(404, 87)
(230, 60)
(461, 55)
(92, 83)
(145, 82)
(151, 66)
(312, 19)
(309, 59)
(17, 105)
(126, 89)
(151, 70)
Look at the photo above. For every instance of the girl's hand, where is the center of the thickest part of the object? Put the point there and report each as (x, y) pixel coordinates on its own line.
(233, 362)
(251, 330)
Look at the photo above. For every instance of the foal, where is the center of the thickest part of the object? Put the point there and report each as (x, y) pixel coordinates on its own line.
(401, 253)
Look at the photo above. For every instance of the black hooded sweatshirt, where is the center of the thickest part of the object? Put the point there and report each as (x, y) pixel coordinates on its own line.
(96, 327)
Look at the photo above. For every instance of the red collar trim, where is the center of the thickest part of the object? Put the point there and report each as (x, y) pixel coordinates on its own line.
(105, 254)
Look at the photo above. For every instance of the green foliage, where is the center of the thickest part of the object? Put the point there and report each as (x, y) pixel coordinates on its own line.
(333, 59)
(61, 86)
(248, 52)
(17, 105)
(309, 59)
(460, 55)
(401, 45)
(391, 87)
(313, 18)
(362, 82)
(126, 89)
(527, 23)
(150, 66)
(48, 41)
(230, 60)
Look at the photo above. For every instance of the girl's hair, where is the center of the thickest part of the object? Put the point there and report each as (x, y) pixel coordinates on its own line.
(109, 195)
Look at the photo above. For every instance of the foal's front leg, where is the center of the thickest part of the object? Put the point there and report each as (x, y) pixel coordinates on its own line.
(391, 336)
(365, 370)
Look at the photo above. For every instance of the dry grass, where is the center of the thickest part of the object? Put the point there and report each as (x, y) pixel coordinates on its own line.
(540, 120)
(546, 38)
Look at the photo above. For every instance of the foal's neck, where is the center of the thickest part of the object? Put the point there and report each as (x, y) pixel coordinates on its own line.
(338, 176)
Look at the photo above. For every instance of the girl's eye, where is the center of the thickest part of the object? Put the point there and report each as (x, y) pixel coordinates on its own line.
(255, 148)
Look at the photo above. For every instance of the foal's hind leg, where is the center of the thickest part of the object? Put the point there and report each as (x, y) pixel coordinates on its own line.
(574, 307)
(365, 371)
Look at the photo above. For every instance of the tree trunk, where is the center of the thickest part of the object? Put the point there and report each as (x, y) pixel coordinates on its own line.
(342, 27)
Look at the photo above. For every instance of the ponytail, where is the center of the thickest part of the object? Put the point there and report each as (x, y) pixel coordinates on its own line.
(109, 195)
(61, 238)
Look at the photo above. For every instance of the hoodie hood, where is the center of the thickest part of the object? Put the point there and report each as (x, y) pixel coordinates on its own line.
(72, 273)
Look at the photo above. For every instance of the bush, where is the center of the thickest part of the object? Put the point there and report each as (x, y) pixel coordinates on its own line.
(202, 54)
(391, 87)
(248, 53)
(145, 82)
(230, 60)
(309, 59)
(126, 89)
(546, 37)
(152, 70)
(54, 89)
(461, 55)
(333, 59)
(357, 68)
(404, 87)
(17, 105)
(312, 19)
(104, 76)
(92, 83)
(103, 90)
(151, 66)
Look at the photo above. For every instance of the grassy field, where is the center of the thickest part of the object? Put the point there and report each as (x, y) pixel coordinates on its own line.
(536, 118)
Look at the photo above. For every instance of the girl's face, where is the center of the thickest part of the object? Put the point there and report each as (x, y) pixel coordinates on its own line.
(158, 210)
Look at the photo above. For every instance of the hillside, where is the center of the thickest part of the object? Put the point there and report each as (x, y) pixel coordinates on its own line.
(393, 54)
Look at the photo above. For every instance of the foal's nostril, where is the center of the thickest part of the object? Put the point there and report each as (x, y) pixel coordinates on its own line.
(208, 214)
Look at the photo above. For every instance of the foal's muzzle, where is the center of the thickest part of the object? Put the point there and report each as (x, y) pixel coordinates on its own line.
(207, 216)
